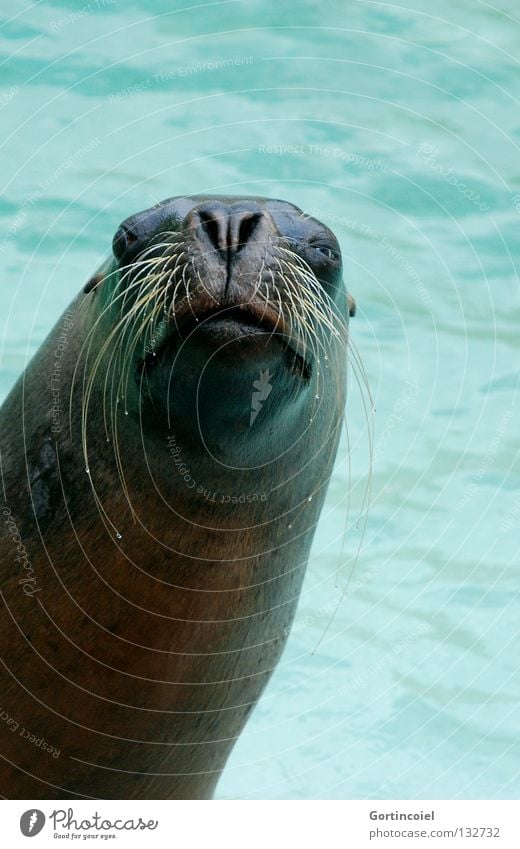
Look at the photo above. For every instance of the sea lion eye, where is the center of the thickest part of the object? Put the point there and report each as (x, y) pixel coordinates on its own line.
(122, 241)
(327, 251)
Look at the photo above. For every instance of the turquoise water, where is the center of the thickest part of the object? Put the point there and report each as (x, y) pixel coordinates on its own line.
(399, 125)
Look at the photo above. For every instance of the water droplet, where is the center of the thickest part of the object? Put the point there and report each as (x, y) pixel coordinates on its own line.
(118, 535)
(154, 354)
(310, 420)
(126, 412)
(317, 397)
(289, 526)
(309, 498)
(326, 358)
(87, 471)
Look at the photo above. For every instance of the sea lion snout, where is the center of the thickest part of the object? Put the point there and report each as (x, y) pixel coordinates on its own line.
(228, 228)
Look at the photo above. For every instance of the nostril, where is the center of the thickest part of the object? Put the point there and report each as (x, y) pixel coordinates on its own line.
(224, 228)
(211, 227)
(246, 229)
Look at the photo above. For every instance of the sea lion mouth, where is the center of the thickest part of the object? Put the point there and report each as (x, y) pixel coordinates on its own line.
(248, 323)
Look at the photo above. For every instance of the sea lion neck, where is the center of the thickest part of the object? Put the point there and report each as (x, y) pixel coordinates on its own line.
(181, 477)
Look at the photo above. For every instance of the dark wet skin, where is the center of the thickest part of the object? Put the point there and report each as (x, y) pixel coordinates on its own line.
(162, 599)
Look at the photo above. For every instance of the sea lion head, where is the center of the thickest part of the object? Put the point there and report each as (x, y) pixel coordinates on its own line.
(231, 314)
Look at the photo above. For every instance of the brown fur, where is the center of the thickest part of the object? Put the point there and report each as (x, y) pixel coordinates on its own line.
(142, 641)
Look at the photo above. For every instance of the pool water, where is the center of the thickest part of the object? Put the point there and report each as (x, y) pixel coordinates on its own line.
(398, 124)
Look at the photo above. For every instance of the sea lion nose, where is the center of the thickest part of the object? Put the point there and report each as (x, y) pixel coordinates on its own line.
(226, 229)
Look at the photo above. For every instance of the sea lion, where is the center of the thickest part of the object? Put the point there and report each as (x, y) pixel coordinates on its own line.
(164, 461)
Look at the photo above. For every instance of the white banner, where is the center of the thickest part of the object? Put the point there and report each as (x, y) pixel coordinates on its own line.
(256, 825)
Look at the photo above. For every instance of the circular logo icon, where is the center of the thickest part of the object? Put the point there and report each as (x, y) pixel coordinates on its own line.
(32, 822)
